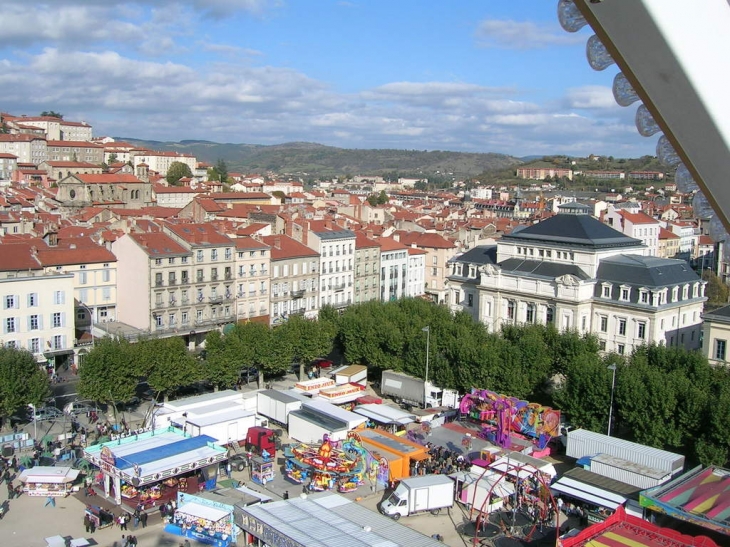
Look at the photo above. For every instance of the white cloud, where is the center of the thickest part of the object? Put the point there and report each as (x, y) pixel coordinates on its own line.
(591, 97)
(508, 34)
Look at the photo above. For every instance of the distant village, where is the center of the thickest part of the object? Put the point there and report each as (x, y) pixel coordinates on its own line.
(95, 241)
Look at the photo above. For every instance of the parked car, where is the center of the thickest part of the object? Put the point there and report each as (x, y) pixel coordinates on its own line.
(76, 408)
(45, 413)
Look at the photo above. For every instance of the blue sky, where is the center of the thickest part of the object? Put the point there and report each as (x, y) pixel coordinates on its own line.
(470, 75)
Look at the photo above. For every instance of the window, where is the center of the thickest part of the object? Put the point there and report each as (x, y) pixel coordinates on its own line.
(58, 341)
(549, 315)
(106, 293)
(214, 254)
(434, 271)
(10, 324)
(59, 297)
(606, 291)
(620, 349)
(82, 278)
(470, 300)
(641, 330)
(625, 292)
(510, 310)
(622, 327)
(435, 261)
(32, 300)
(34, 345)
(33, 322)
(200, 255)
(158, 262)
(675, 294)
(644, 297)
(171, 261)
(57, 320)
(184, 259)
(530, 315)
(602, 345)
(11, 302)
(106, 275)
(158, 279)
(229, 254)
(720, 349)
(604, 323)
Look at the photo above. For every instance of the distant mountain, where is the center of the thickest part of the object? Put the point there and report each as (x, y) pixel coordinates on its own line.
(308, 159)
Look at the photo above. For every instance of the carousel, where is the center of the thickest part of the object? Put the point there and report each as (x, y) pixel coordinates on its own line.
(333, 464)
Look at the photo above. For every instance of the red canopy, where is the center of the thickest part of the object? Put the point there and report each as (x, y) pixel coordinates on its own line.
(369, 400)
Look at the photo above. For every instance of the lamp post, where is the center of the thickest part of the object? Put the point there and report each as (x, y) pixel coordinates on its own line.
(612, 368)
(427, 330)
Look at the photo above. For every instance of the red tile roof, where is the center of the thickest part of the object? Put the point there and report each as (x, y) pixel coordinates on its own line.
(425, 239)
(158, 244)
(108, 178)
(249, 243)
(78, 255)
(199, 234)
(17, 257)
(284, 247)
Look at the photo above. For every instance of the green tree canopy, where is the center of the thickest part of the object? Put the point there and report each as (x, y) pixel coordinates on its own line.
(717, 292)
(167, 364)
(52, 114)
(22, 381)
(110, 372)
(176, 171)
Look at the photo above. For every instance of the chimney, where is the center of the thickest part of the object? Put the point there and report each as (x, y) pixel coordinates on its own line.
(369, 234)
(328, 224)
(396, 236)
(72, 246)
(277, 242)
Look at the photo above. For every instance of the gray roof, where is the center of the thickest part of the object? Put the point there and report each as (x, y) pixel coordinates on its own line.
(482, 254)
(569, 230)
(541, 268)
(330, 520)
(335, 234)
(720, 314)
(605, 483)
(645, 271)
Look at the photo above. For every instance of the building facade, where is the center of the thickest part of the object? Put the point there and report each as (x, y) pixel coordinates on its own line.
(367, 269)
(253, 277)
(336, 249)
(716, 335)
(393, 269)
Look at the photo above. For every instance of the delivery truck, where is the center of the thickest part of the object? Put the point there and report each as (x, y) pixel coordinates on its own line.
(403, 388)
(418, 494)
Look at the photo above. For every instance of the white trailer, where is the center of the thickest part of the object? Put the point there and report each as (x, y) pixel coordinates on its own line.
(353, 374)
(418, 494)
(484, 492)
(276, 405)
(226, 427)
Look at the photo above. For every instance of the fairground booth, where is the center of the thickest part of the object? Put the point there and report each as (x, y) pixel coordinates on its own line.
(48, 481)
(622, 530)
(150, 468)
(700, 497)
(397, 451)
(204, 519)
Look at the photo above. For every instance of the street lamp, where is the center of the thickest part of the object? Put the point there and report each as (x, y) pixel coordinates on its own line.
(612, 368)
(427, 330)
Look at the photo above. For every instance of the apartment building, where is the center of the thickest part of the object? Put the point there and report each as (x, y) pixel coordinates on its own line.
(253, 269)
(213, 265)
(160, 162)
(393, 269)
(634, 223)
(336, 249)
(439, 251)
(8, 164)
(56, 128)
(60, 169)
(415, 285)
(94, 271)
(716, 335)
(85, 151)
(294, 279)
(37, 308)
(27, 148)
(367, 269)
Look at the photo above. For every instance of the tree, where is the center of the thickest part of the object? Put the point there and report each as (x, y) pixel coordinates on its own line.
(308, 339)
(176, 171)
(167, 364)
(52, 114)
(22, 381)
(225, 359)
(717, 292)
(112, 158)
(110, 372)
(383, 198)
(222, 170)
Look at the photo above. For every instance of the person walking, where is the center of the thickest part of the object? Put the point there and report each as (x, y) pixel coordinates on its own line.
(50, 500)
(87, 523)
(143, 519)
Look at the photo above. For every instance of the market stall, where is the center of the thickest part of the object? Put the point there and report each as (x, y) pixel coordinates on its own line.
(203, 520)
(262, 470)
(150, 468)
(399, 452)
(48, 481)
(99, 516)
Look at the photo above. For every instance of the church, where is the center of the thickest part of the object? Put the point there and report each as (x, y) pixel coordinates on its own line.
(576, 273)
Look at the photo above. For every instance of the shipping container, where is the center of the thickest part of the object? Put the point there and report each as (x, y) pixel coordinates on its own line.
(583, 443)
(628, 472)
(309, 426)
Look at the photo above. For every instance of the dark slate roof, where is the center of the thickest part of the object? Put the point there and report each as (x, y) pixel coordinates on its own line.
(645, 271)
(720, 314)
(335, 234)
(542, 268)
(482, 254)
(570, 230)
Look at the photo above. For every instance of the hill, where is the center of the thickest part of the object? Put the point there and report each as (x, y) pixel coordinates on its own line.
(306, 159)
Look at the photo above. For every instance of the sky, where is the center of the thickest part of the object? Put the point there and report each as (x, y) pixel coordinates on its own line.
(467, 75)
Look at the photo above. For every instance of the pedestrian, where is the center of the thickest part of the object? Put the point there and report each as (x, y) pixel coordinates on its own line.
(124, 541)
(50, 500)
(92, 525)
(286, 495)
(143, 519)
(136, 519)
(187, 543)
(14, 464)
(228, 469)
(122, 522)
(11, 491)
(87, 523)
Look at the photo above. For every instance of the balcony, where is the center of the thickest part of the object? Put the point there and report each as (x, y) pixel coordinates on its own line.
(338, 286)
(264, 272)
(172, 281)
(298, 294)
(227, 276)
(340, 305)
(214, 277)
(185, 280)
(199, 279)
(173, 302)
(159, 305)
(299, 311)
(159, 283)
(184, 300)
(262, 291)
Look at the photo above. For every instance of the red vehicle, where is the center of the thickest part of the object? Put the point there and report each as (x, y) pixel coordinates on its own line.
(259, 439)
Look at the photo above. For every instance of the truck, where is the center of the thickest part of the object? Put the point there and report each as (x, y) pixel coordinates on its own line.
(405, 389)
(418, 494)
(276, 405)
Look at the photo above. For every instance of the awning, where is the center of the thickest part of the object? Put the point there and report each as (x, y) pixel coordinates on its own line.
(55, 352)
(49, 475)
(201, 511)
(420, 456)
(582, 495)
